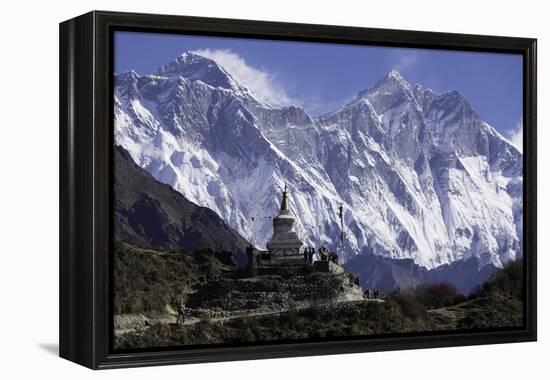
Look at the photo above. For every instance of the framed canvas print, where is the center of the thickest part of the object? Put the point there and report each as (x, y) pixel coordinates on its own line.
(237, 189)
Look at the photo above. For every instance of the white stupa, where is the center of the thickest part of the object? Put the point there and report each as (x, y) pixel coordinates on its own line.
(284, 245)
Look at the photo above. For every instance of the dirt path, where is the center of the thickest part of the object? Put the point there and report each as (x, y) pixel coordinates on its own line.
(252, 314)
(192, 321)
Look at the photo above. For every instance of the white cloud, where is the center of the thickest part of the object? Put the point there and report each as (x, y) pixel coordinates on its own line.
(405, 60)
(260, 82)
(515, 135)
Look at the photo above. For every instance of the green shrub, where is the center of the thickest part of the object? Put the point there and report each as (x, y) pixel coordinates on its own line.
(438, 295)
(509, 281)
(409, 305)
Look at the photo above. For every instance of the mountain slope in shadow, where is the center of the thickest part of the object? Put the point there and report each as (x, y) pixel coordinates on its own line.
(147, 212)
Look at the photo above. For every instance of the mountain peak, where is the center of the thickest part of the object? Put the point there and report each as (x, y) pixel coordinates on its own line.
(394, 74)
(194, 66)
(191, 57)
(127, 75)
(392, 83)
(183, 62)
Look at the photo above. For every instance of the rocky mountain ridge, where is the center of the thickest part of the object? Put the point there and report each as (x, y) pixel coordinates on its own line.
(420, 175)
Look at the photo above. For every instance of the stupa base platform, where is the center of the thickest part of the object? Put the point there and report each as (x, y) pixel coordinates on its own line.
(276, 260)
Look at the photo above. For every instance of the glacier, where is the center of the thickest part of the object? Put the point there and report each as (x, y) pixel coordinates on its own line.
(419, 174)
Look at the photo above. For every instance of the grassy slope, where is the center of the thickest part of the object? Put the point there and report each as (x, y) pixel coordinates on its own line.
(498, 303)
(149, 281)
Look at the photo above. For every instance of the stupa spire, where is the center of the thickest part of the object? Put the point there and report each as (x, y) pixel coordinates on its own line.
(284, 202)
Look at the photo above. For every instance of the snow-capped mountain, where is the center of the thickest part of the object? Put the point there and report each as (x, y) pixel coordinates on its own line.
(419, 174)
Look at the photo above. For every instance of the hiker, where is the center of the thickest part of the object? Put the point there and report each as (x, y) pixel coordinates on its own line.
(367, 294)
(181, 314)
(323, 253)
(310, 253)
(376, 293)
(305, 254)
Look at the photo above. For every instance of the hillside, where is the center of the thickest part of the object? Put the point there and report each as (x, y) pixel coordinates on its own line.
(149, 213)
(233, 305)
(499, 302)
(149, 284)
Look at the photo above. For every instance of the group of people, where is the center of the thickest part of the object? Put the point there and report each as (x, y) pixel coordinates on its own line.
(308, 255)
(371, 294)
(324, 255)
(327, 255)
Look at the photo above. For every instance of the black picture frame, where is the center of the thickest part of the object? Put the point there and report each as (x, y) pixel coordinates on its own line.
(86, 59)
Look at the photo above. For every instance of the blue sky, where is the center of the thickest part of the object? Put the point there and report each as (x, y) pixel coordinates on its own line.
(322, 77)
